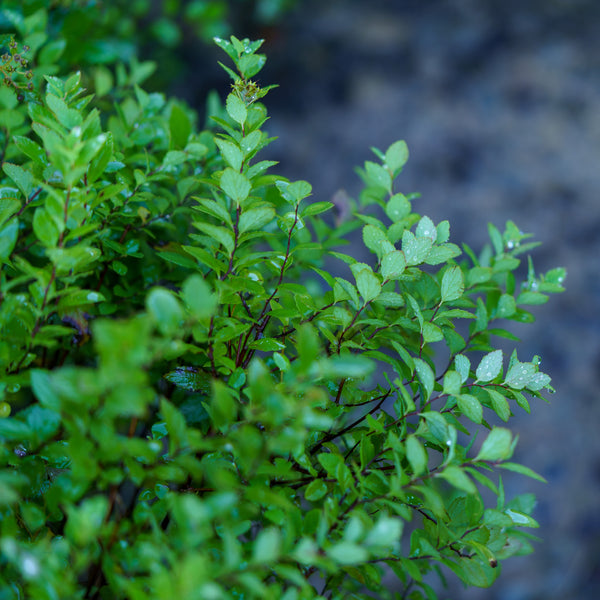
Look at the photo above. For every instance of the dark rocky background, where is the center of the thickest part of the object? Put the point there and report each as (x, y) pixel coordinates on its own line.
(499, 102)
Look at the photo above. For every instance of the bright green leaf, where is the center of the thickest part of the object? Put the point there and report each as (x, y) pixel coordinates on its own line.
(416, 454)
(165, 310)
(453, 284)
(367, 282)
(393, 265)
(396, 156)
(490, 366)
(236, 108)
(235, 185)
(498, 445)
(470, 407)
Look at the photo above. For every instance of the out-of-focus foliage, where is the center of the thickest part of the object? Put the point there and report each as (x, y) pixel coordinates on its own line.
(97, 35)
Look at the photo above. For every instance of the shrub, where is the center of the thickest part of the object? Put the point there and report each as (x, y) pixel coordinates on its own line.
(209, 400)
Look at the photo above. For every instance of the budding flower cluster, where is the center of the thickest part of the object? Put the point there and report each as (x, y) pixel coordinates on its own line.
(13, 65)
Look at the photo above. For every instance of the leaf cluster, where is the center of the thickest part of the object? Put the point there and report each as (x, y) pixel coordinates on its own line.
(202, 405)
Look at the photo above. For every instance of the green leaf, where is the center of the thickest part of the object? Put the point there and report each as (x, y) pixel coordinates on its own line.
(256, 218)
(164, 308)
(348, 553)
(315, 490)
(442, 254)
(344, 290)
(426, 228)
(206, 258)
(520, 375)
(463, 366)
(316, 208)
(34, 151)
(431, 333)
(523, 470)
(520, 519)
(416, 250)
(22, 177)
(478, 275)
(506, 307)
(189, 378)
(235, 185)
(367, 282)
(452, 383)
(180, 126)
(531, 298)
(176, 426)
(294, 192)
(345, 365)
(330, 462)
(231, 153)
(41, 384)
(499, 403)
(470, 407)
(45, 228)
(267, 546)
(438, 426)
(538, 382)
(74, 259)
(69, 117)
(490, 366)
(198, 297)
(216, 209)
(268, 345)
(386, 532)
(396, 156)
(222, 235)
(393, 265)
(79, 298)
(378, 176)
(390, 299)
(85, 520)
(99, 163)
(236, 109)
(458, 478)
(13, 430)
(498, 445)
(416, 454)
(453, 284)
(426, 377)
(496, 238)
(8, 238)
(397, 207)
(376, 240)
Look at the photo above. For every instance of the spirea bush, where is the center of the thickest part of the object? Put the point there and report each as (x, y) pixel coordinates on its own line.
(204, 398)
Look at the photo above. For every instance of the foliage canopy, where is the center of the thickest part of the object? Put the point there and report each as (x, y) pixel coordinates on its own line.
(196, 405)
